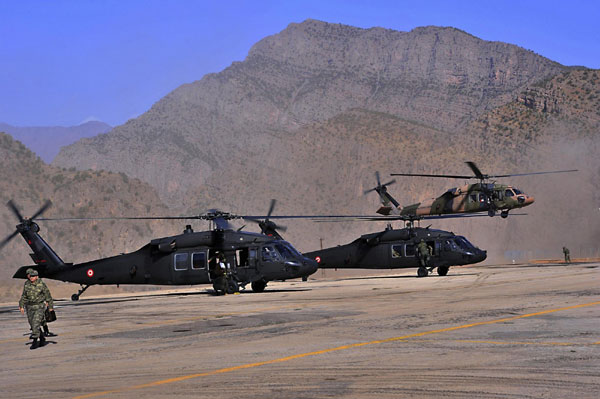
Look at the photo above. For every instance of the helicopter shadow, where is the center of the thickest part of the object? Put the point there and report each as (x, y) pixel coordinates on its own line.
(404, 277)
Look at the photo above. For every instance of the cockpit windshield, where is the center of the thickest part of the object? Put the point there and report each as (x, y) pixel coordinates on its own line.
(517, 191)
(287, 251)
(463, 243)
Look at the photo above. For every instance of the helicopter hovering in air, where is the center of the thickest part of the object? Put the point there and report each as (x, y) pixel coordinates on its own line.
(397, 248)
(226, 258)
(483, 196)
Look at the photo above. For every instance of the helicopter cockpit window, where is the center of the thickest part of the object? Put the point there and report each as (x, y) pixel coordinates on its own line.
(180, 261)
(287, 251)
(396, 251)
(409, 250)
(269, 254)
(508, 193)
(450, 244)
(199, 260)
(517, 191)
(463, 243)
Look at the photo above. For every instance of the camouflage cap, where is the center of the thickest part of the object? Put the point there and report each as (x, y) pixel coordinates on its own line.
(31, 272)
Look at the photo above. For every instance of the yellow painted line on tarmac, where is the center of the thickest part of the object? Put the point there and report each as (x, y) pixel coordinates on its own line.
(324, 351)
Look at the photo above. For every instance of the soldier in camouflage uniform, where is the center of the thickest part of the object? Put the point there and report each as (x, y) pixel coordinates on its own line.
(567, 254)
(424, 252)
(34, 299)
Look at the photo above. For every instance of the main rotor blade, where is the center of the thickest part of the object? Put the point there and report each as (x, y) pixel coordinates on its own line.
(405, 218)
(75, 219)
(15, 210)
(431, 175)
(535, 173)
(7, 239)
(476, 170)
(43, 209)
(378, 178)
(271, 207)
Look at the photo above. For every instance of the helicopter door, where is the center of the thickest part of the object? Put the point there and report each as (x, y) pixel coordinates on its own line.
(252, 255)
(396, 255)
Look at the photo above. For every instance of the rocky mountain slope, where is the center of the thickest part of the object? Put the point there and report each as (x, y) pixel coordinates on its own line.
(309, 73)
(46, 141)
(29, 182)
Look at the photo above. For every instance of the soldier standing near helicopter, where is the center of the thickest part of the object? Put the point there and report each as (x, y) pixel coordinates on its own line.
(424, 251)
(34, 299)
(218, 273)
(567, 254)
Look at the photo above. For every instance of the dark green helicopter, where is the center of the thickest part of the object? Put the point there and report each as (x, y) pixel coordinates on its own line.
(396, 248)
(226, 258)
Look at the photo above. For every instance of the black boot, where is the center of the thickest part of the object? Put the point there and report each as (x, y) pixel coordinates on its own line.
(42, 339)
(47, 332)
(35, 344)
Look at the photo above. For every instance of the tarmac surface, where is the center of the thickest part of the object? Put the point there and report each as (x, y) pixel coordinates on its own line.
(510, 331)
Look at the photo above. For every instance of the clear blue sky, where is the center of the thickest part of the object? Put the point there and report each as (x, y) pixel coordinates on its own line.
(65, 61)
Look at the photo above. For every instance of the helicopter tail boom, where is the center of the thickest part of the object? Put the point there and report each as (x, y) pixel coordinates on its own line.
(45, 259)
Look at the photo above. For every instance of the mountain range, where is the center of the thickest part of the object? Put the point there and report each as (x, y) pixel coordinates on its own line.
(46, 141)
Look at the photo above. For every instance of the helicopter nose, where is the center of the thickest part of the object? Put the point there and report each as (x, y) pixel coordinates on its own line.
(309, 266)
(479, 256)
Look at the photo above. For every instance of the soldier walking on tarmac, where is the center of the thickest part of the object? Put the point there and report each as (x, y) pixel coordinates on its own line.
(33, 300)
(567, 255)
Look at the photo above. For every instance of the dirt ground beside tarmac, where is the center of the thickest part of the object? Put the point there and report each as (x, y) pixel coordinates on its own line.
(522, 331)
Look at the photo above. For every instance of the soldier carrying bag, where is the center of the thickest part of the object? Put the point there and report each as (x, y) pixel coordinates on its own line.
(50, 315)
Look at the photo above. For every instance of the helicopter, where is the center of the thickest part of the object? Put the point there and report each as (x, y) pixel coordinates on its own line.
(477, 197)
(185, 259)
(396, 248)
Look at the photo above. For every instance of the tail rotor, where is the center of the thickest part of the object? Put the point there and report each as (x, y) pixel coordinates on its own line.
(24, 223)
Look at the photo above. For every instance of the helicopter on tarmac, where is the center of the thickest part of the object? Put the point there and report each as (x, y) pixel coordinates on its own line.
(226, 258)
(397, 248)
(478, 197)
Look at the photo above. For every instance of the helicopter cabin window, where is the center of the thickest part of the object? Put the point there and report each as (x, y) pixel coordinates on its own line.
(241, 257)
(473, 197)
(199, 260)
(482, 197)
(508, 193)
(409, 250)
(180, 261)
(396, 251)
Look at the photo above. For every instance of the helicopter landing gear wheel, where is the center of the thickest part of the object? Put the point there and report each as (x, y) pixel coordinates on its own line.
(422, 272)
(491, 213)
(75, 297)
(504, 214)
(259, 286)
(443, 270)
